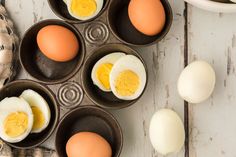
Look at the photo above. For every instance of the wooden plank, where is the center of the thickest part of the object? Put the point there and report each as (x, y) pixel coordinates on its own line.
(165, 62)
(212, 37)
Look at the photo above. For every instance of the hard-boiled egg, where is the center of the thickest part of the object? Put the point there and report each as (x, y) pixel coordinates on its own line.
(40, 109)
(196, 82)
(16, 119)
(128, 78)
(84, 9)
(166, 132)
(101, 70)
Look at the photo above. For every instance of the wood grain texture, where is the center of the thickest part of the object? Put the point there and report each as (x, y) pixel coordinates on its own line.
(165, 62)
(212, 127)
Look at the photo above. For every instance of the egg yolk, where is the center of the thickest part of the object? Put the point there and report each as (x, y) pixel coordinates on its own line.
(83, 8)
(103, 73)
(39, 119)
(127, 83)
(16, 124)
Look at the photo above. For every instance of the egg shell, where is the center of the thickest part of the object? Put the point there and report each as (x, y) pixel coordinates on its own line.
(88, 144)
(147, 16)
(133, 63)
(35, 99)
(196, 82)
(166, 132)
(12, 105)
(58, 43)
(110, 58)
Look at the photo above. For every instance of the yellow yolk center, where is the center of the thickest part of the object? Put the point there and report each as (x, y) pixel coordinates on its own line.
(127, 83)
(39, 119)
(83, 8)
(103, 73)
(16, 124)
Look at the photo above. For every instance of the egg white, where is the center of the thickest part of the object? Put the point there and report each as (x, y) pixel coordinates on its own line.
(35, 99)
(196, 82)
(110, 58)
(129, 62)
(98, 9)
(166, 132)
(12, 105)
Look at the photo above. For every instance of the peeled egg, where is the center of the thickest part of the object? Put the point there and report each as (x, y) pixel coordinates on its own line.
(88, 144)
(101, 70)
(39, 108)
(58, 43)
(128, 78)
(84, 9)
(147, 16)
(16, 119)
(166, 132)
(196, 82)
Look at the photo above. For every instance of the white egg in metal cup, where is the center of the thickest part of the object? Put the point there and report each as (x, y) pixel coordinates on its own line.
(39, 108)
(128, 78)
(84, 9)
(102, 68)
(16, 119)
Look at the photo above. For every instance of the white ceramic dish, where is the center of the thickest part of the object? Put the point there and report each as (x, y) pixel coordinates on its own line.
(214, 6)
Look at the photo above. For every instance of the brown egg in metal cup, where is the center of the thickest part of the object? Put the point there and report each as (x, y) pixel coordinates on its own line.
(122, 28)
(14, 89)
(89, 119)
(42, 68)
(106, 99)
(60, 9)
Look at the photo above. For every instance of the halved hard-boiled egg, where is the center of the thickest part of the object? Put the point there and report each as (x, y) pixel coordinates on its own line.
(84, 9)
(101, 70)
(40, 109)
(128, 78)
(16, 119)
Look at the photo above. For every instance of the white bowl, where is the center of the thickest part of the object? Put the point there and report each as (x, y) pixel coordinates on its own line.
(214, 6)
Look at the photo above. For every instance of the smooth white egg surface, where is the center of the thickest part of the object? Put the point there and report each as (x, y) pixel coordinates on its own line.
(16, 119)
(166, 132)
(84, 9)
(40, 109)
(101, 71)
(128, 78)
(196, 82)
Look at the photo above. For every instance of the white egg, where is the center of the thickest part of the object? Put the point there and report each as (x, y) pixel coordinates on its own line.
(196, 82)
(166, 132)
(36, 101)
(91, 7)
(132, 64)
(110, 58)
(14, 106)
(233, 1)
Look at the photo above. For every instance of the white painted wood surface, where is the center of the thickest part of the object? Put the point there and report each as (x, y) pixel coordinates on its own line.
(212, 37)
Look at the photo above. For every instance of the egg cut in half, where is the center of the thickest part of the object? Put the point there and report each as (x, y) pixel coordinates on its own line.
(16, 119)
(128, 78)
(101, 70)
(39, 108)
(84, 9)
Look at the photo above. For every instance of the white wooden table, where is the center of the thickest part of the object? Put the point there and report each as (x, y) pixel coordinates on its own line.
(208, 36)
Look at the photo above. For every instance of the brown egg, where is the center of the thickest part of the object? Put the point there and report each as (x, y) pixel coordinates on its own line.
(58, 43)
(147, 16)
(88, 144)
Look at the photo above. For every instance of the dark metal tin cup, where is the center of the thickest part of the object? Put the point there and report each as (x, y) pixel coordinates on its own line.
(14, 89)
(59, 7)
(99, 97)
(121, 26)
(89, 119)
(39, 66)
